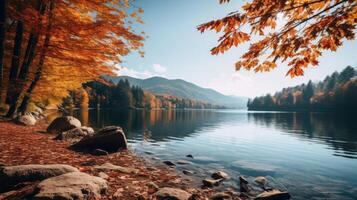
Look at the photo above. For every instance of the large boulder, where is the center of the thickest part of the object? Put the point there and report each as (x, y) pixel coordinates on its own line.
(110, 139)
(172, 194)
(71, 186)
(13, 175)
(28, 120)
(76, 133)
(62, 124)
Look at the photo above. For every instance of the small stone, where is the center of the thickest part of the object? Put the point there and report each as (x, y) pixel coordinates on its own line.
(189, 156)
(27, 120)
(182, 162)
(188, 172)
(99, 152)
(211, 183)
(261, 180)
(169, 163)
(221, 196)
(220, 175)
(172, 194)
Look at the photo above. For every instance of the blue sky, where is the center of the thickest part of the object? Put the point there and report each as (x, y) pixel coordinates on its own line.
(175, 49)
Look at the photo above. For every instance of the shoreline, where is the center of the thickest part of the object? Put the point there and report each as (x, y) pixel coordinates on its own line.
(20, 145)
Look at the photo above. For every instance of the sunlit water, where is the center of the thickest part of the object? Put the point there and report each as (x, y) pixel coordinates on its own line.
(314, 155)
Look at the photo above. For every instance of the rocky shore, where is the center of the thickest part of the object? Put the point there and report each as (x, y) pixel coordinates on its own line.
(64, 160)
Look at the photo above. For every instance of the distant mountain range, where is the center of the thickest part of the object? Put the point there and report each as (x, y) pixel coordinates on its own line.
(184, 89)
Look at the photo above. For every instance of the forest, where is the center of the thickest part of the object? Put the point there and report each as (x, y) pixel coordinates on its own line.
(124, 96)
(337, 92)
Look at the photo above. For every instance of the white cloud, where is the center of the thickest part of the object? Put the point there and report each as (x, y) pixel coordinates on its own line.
(156, 70)
(133, 73)
(159, 69)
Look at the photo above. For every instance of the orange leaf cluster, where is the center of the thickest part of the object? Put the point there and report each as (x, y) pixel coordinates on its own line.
(310, 26)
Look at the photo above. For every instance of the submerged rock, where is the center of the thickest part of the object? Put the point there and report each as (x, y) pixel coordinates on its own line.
(167, 193)
(12, 175)
(110, 139)
(183, 162)
(220, 175)
(188, 172)
(169, 163)
(273, 195)
(62, 124)
(70, 186)
(211, 183)
(261, 180)
(189, 156)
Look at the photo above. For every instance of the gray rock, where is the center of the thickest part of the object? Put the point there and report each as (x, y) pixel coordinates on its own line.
(167, 193)
(243, 184)
(189, 156)
(71, 186)
(75, 133)
(220, 196)
(273, 195)
(12, 175)
(169, 163)
(111, 167)
(62, 124)
(28, 120)
(261, 180)
(188, 172)
(220, 175)
(211, 183)
(110, 139)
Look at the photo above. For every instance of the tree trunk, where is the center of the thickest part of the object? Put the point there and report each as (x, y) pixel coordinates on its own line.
(38, 74)
(15, 63)
(20, 84)
(2, 40)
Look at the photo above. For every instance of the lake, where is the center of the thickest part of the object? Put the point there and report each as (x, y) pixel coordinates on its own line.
(314, 155)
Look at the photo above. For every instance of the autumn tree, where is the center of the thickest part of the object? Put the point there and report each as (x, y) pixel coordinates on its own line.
(309, 27)
(57, 45)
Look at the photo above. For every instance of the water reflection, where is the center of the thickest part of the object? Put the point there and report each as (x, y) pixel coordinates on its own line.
(163, 124)
(338, 131)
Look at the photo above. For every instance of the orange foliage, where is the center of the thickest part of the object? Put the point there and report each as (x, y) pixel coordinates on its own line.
(88, 39)
(310, 27)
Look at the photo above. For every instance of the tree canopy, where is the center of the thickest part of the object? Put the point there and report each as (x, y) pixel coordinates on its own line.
(53, 46)
(309, 27)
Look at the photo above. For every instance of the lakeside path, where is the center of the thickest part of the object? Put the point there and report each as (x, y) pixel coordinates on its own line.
(20, 145)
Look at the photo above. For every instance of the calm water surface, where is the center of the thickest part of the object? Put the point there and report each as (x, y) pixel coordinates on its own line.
(314, 155)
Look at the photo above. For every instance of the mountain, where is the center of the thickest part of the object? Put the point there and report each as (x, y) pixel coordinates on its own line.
(184, 89)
